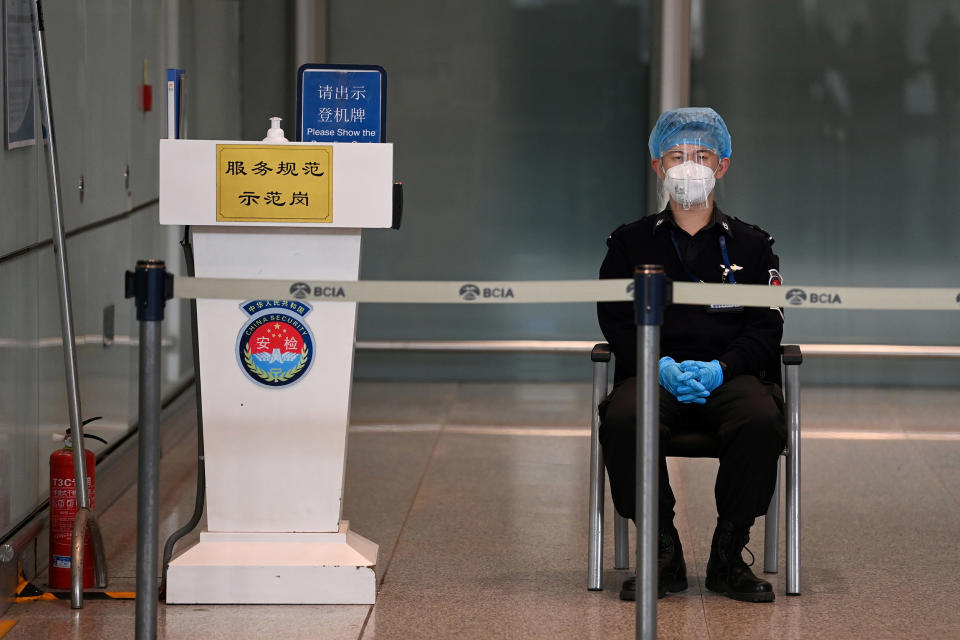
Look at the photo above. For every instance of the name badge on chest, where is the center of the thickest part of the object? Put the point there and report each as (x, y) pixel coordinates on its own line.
(724, 308)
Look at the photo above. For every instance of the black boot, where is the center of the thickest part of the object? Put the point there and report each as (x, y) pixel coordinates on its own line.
(671, 569)
(727, 573)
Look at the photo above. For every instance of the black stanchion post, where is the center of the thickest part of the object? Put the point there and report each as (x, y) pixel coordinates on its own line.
(651, 295)
(150, 286)
(793, 480)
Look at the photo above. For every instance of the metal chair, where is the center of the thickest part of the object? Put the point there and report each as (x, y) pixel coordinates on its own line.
(694, 446)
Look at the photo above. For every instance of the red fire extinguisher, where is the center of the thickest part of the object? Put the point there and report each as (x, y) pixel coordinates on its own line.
(63, 512)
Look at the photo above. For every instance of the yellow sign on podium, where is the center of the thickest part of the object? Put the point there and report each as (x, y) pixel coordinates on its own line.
(274, 183)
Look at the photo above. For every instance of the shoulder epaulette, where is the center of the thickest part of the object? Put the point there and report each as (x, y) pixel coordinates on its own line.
(757, 228)
(610, 236)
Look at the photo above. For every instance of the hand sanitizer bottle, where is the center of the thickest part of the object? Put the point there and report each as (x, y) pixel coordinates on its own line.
(275, 133)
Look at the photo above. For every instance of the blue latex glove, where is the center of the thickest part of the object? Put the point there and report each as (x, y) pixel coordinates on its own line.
(708, 374)
(682, 384)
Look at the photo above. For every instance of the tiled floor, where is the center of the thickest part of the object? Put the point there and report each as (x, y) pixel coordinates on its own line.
(476, 494)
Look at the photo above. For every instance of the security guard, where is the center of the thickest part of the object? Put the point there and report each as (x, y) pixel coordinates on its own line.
(712, 373)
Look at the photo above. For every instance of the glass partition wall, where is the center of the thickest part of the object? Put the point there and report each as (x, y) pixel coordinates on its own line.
(844, 117)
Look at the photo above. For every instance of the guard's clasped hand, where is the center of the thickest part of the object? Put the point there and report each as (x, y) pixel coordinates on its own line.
(682, 384)
(708, 374)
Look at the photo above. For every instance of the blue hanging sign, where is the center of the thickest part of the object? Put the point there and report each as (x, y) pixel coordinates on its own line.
(341, 103)
(18, 74)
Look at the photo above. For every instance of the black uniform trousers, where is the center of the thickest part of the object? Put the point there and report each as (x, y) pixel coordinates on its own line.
(745, 414)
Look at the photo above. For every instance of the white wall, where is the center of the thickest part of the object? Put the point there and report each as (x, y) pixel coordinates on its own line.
(95, 51)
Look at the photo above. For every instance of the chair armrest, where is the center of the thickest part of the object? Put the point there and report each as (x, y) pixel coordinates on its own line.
(601, 352)
(791, 354)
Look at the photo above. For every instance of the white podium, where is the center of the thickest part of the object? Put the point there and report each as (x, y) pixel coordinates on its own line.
(275, 374)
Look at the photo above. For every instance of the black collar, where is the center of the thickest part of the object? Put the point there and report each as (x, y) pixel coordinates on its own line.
(718, 218)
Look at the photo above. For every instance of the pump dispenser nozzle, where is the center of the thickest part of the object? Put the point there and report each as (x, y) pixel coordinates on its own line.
(275, 133)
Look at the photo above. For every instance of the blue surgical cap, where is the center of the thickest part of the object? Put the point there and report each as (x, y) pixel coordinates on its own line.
(690, 125)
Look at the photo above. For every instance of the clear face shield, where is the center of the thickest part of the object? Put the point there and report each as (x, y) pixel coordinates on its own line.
(687, 173)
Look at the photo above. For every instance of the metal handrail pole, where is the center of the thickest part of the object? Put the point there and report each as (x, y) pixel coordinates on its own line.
(99, 554)
(880, 351)
(85, 522)
(793, 480)
(76, 556)
(650, 297)
(60, 255)
(18, 542)
(66, 321)
(595, 544)
(150, 285)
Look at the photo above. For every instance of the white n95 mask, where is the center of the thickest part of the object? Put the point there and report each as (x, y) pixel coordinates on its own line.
(689, 183)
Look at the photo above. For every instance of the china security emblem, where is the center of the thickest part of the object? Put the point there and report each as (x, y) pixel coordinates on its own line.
(275, 346)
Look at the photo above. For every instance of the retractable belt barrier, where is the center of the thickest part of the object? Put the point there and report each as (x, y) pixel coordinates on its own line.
(562, 291)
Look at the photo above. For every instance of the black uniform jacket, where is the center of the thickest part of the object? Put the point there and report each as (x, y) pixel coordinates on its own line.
(746, 340)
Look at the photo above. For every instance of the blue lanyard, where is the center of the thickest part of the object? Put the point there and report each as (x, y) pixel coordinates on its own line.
(723, 253)
(727, 265)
